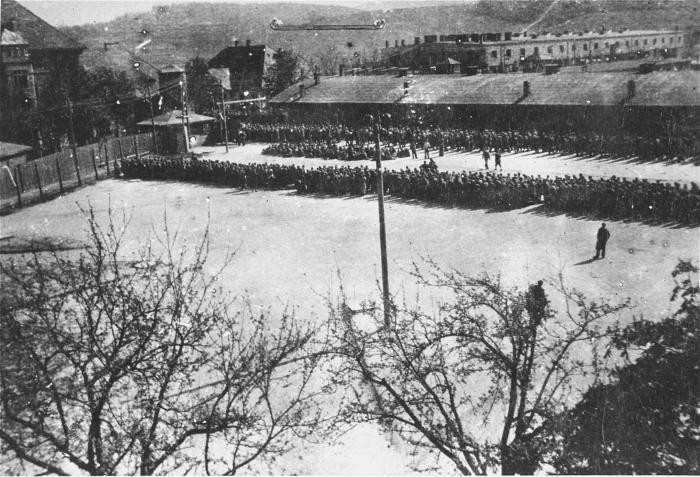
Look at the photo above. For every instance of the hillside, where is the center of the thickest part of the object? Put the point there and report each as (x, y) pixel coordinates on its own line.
(181, 31)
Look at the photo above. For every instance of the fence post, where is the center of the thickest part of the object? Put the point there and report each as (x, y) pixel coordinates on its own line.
(94, 164)
(77, 168)
(38, 180)
(20, 179)
(17, 186)
(106, 158)
(121, 150)
(58, 173)
(136, 148)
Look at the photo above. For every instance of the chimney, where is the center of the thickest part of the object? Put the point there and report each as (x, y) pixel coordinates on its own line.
(631, 89)
(247, 43)
(301, 90)
(386, 44)
(526, 89)
(416, 40)
(235, 42)
(403, 42)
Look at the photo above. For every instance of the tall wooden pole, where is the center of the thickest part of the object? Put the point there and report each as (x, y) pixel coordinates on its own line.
(382, 230)
(223, 114)
(72, 141)
(182, 111)
(153, 121)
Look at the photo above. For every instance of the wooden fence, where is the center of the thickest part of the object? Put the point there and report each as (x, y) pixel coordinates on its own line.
(48, 176)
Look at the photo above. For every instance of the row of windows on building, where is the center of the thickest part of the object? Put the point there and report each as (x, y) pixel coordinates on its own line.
(14, 52)
(595, 46)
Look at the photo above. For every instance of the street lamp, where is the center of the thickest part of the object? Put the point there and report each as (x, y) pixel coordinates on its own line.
(376, 122)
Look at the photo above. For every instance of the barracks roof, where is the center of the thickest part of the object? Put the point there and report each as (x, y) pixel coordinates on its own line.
(174, 118)
(562, 89)
(37, 33)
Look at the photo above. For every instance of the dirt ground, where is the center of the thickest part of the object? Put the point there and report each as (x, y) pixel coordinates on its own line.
(289, 248)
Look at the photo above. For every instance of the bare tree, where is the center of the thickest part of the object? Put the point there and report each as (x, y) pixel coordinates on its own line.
(113, 364)
(474, 381)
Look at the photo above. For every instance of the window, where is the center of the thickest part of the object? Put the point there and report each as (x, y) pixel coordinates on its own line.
(549, 49)
(663, 40)
(522, 51)
(636, 42)
(494, 53)
(670, 40)
(20, 81)
(585, 47)
(645, 42)
(607, 45)
(573, 47)
(508, 53)
(561, 48)
(595, 46)
(627, 43)
(654, 41)
(680, 40)
(537, 50)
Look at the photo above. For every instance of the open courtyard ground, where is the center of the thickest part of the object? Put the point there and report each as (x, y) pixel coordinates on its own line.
(289, 249)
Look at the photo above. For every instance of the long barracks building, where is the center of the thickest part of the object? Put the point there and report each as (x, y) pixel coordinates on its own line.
(605, 102)
(513, 51)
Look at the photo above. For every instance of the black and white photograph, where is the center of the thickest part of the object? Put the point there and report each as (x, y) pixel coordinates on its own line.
(349, 237)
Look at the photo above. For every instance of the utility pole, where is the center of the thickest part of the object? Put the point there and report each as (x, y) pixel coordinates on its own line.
(72, 140)
(153, 121)
(223, 114)
(182, 110)
(187, 109)
(382, 227)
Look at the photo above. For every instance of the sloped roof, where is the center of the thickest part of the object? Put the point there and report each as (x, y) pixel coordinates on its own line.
(9, 149)
(578, 89)
(665, 88)
(38, 34)
(654, 89)
(174, 118)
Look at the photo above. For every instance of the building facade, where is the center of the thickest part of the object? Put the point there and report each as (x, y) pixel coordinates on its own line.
(247, 67)
(37, 59)
(503, 52)
(17, 89)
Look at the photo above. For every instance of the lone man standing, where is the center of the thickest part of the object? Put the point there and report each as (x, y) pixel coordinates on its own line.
(602, 240)
(485, 155)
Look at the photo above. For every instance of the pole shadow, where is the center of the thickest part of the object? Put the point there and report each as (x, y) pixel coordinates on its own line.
(586, 262)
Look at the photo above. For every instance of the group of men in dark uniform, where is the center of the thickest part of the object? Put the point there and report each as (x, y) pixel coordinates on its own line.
(325, 150)
(581, 143)
(614, 198)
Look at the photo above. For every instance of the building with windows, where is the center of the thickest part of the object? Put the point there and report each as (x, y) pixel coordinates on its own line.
(247, 67)
(36, 58)
(17, 89)
(503, 52)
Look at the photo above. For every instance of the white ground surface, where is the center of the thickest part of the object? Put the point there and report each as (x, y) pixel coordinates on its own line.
(526, 163)
(289, 248)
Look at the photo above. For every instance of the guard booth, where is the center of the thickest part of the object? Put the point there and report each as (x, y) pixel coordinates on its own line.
(170, 134)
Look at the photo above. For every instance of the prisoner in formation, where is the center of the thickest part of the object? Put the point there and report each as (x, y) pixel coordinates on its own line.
(613, 197)
(683, 145)
(325, 150)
